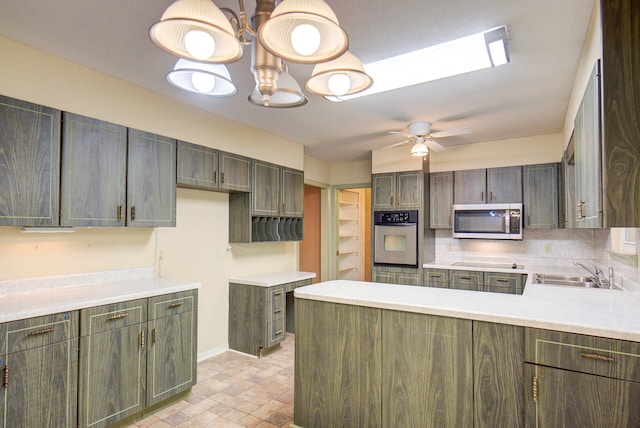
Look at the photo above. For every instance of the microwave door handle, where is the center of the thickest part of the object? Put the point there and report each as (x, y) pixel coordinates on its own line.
(507, 222)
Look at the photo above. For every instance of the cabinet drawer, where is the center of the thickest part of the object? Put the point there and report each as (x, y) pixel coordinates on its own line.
(277, 303)
(466, 280)
(436, 278)
(40, 331)
(172, 304)
(110, 317)
(612, 358)
(510, 283)
(275, 332)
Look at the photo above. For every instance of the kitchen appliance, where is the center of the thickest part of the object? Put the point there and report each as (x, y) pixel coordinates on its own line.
(395, 237)
(487, 221)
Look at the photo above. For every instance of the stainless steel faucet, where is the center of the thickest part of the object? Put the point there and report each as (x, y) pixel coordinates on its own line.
(595, 274)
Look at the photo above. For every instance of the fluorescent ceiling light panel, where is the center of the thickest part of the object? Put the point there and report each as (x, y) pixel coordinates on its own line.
(447, 59)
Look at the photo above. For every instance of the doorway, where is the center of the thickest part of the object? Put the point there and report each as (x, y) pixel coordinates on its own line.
(353, 250)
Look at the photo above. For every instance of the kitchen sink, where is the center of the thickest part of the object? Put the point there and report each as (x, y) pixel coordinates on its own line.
(570, 280)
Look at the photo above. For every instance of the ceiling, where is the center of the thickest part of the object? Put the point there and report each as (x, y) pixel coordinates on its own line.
(529, 96)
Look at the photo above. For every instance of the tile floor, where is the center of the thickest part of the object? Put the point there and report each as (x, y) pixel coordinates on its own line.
(235, 390)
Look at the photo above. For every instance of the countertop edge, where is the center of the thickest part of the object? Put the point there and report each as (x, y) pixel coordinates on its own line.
(270, 279)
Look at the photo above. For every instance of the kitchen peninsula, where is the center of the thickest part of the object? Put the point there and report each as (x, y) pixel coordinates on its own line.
(370, 354)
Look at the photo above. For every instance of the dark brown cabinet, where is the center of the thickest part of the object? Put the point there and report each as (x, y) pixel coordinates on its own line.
(29, 164)
(39, 362)
(94, 172)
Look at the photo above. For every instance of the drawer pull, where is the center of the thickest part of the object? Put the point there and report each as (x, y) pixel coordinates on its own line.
(467, 278)
(534, 385)
(502, 280)
(176, 305)
(596, 357)
(278, 333)
(43, 331)
(277, 311)
(117, 317)
(277, 293)
(435, 275)
(5, 377)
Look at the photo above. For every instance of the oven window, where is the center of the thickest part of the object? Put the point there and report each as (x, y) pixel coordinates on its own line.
(395, 243)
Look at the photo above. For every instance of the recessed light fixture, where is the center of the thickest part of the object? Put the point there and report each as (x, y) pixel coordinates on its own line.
(476, 52)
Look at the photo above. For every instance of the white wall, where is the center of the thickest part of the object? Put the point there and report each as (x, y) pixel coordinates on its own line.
(196, 248)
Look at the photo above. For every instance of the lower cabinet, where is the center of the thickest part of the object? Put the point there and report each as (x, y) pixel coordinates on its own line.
(39, 360)
(466, 280)
(577, 380)
(395, 275)
(494, 282)
(112, 362)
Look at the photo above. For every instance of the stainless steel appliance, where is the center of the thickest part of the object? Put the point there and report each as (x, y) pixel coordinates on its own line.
(487, 221)
(395, 238)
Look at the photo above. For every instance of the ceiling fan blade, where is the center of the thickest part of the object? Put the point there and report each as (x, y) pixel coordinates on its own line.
(451, 132)
(396, 144)
(436, 147)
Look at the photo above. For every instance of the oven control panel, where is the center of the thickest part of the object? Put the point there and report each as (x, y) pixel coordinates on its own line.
(392, 217)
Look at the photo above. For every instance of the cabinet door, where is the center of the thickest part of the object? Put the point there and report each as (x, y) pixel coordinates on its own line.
(466, 280)
(498, 355)
(383, 191)
(379, 274)
(470, 186)
(151, 180)
(563, 398)
(338, 375)
(507, 283)
(112, 375)
(292, 192)
(408, 278)
(29, 164)
(588, 156)
(440, 349)
(504, 185)
(408, 190)
(441, 200)
(541, 196)
(94, 172)
(235, 172)
(266, 189)
(197, 166)
(42, 387)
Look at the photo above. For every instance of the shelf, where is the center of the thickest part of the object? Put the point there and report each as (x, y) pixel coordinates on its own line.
(348, 203)
(343, 253)
(348, 268)
(347, 236)
(349, 219)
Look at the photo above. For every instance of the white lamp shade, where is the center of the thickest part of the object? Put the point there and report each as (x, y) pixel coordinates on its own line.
(275, 34)
(185, 16)
(419, 149)
(348, 65)
(182, 77)
(287, 95)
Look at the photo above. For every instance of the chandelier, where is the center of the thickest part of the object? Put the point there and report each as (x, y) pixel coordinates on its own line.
(206, 37)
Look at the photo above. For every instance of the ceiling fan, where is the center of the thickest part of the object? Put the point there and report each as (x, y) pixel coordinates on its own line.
(423, 139)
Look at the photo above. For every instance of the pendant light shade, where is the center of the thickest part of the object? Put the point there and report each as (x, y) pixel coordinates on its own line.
(303, 31)
(287, 95)
(419, 149)
(196, 30)
(342, 76)
(202, 78)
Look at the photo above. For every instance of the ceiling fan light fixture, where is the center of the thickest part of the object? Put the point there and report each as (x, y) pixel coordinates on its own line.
(287, 95)
(292, 32)
(329, 77)
(196, 30)
(419, 149)
(202, 78)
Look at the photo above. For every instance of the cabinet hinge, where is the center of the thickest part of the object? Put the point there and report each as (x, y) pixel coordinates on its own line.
(534, 386)
(5, 376)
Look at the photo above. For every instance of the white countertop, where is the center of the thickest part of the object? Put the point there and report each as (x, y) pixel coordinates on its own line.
(27, 298)
(597, 312)
(272, 278)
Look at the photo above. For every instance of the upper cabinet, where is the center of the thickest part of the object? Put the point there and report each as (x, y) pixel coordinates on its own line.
(292, 192)
(621, 107)
(488, 186)
(151, 180)
(205, 168)
(29, 164)
(277, 190)
(397, 190)
(94, 157)
(441, 199)
(541, 196)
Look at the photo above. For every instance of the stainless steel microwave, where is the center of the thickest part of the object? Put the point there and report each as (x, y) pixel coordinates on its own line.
(487, 221)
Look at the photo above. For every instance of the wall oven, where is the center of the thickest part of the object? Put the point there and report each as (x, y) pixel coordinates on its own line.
(487, 221)
(395, 238)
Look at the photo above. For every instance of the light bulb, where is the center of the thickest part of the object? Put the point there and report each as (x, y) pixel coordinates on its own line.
(199, 44)
(305, 39)
(339, 84)
(203, 82)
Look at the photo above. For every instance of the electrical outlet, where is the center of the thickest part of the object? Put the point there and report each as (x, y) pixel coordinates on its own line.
(547, 248)
(449, 246)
